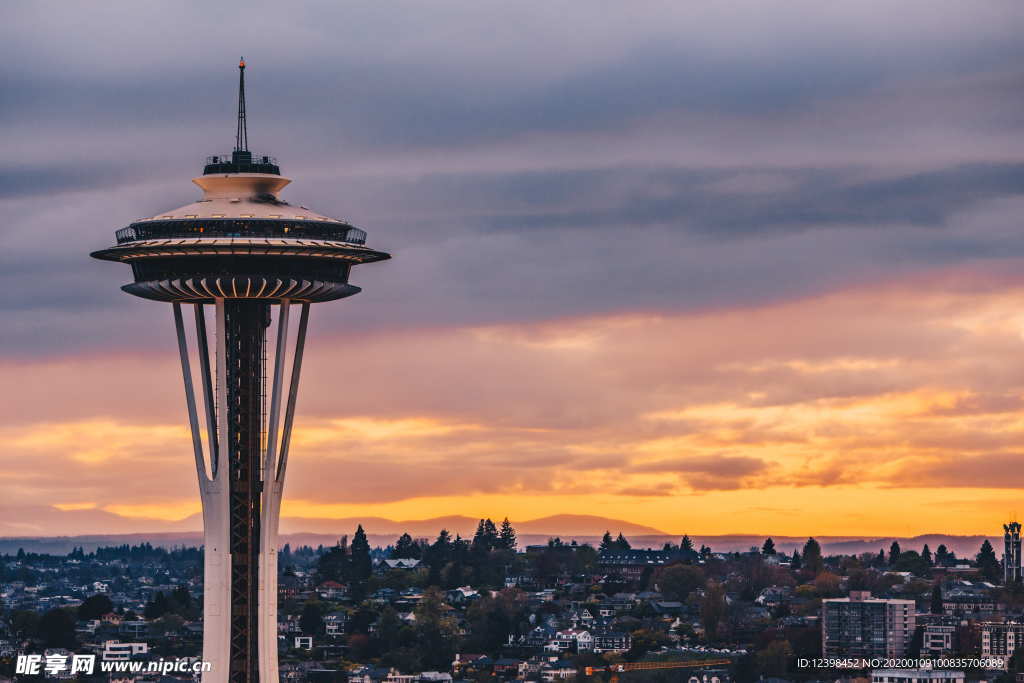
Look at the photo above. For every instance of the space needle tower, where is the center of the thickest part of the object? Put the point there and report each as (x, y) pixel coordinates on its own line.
(248, 259)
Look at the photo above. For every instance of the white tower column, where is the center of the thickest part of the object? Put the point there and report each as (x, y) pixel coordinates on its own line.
(213, 490)
(212, 471)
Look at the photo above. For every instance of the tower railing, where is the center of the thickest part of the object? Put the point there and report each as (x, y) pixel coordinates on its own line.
(247, 227)
(230, 157)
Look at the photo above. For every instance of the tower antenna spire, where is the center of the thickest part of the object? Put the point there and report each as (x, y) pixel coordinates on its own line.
(241, 135)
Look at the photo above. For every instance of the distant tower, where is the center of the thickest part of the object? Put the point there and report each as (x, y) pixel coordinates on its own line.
(246, 254)
(1011, 552)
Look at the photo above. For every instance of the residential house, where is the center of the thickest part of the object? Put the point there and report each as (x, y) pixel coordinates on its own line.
(631, 564)
(466, 663)
(612, 641)
(331, 590)
(560, 670)
(509, 667)
(462, 595)
(571, 640)
(334, 623)
(401, 563)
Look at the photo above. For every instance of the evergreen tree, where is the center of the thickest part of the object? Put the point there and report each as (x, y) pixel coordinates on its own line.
(443, 543)
(57, 628)
(181, 602)
(157, 607)
(910, 561)
(389, 626)
(361, 564)
(490, 533)
(941, 555)
(405, 548)
(507, 536)
(607, 542)
(679, 580)
(987, 562)
(437, 556)
(478, 535)
(812, 556)
(621, 543)
(769, 547)
(712, 609)
(894, 553)
(334, 565)
(95, 606)
(686, 545)
(311, 621)
(436, 632)
(797, 561)
(486, 537)
(926, 555)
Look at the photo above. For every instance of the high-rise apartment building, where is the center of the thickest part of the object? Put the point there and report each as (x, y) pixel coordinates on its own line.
(1000, 639)
(863, 626)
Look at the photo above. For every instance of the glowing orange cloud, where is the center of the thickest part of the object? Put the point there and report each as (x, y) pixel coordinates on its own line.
(851, 413)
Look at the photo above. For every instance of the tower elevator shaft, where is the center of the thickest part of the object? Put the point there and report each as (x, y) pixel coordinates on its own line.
(245, 331)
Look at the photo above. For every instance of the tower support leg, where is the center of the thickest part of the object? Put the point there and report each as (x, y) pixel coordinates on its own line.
(212, 492)
(242, 481)
(274, 469)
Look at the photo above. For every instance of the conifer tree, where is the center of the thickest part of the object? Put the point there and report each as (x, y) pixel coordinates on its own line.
(405, 548)
(894, 553)
(812, 556)
(987, 562)
(362, 565)
(507, 536)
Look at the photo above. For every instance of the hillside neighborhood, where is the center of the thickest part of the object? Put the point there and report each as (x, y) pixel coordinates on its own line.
(486, 608)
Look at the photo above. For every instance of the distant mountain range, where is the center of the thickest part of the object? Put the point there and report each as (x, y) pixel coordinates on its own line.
(574, 525)
(84, 522)
(382, 532)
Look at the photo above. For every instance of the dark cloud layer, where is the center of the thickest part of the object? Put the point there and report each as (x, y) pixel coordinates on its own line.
(522, 163)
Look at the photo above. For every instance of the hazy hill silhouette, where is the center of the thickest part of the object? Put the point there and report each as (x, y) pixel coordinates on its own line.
(382, 532)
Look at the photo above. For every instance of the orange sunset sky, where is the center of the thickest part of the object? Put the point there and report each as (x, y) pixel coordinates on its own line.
(709, 271)
(892, 408)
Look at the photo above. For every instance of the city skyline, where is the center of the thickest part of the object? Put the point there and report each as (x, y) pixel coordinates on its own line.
(769, 282)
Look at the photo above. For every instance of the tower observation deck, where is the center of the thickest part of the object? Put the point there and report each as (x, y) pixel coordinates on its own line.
(248, 257)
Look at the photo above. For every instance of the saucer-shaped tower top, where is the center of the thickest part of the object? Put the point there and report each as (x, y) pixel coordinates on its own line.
(241, 240)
